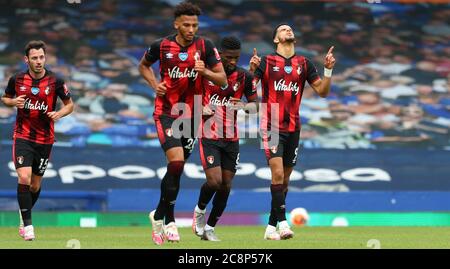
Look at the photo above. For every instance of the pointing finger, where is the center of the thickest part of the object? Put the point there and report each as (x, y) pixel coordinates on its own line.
(330, 50)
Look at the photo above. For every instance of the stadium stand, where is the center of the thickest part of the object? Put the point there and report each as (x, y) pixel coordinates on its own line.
(391, 85)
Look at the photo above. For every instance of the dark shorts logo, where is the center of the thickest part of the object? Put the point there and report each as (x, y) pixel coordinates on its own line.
(183, 56)
(169, 132)
(274, 149)
(35, 90)
(20, 159)
(210, 159)
(236, 86)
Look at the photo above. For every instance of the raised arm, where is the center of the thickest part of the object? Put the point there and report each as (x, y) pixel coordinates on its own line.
(322, 86)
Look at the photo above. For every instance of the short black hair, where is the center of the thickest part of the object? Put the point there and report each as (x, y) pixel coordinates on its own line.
(276, 29)
(230, 43)
(34, 44)
(186, 8)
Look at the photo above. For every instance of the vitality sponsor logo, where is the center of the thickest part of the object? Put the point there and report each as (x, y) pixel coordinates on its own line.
(281, 85)
(36, 105)
(215, 100)
(187, 73)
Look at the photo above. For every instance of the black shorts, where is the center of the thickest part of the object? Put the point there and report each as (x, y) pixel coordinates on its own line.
(27, 153)
(169, 140)
(286, 148)
(220, 152)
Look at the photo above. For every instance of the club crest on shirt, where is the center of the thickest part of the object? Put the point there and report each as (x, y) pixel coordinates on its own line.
(20, 159)
(216, 53)
(288, 69)
(299, 70)
(47, 90)
(169, 132)
(183, 56)
(35, 90)
(210, 159)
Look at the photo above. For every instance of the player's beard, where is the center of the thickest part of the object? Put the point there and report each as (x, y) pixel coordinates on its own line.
(37, 70)
(188, 38)
(230, 69)
(290, 39)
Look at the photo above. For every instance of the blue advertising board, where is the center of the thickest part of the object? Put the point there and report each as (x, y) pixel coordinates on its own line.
(100, 169)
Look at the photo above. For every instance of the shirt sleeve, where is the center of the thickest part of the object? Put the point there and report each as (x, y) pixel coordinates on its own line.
(62, 90)
(10, 90)
(153, 52)
(212, 55)
(312, 75)
(250, 87)
(259, 72)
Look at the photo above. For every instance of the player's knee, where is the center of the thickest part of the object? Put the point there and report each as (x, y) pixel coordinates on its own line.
(24, 177)
(277, 175)
(35, 187)
(214, 182)
(226, 186)
(175, 168)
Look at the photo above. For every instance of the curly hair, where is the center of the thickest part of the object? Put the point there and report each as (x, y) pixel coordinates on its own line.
(186, 8)
(230, 43)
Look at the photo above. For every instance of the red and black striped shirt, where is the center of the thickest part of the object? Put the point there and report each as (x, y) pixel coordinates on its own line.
(222, 125)
(177, 70)
(32, 122)
(282, 82)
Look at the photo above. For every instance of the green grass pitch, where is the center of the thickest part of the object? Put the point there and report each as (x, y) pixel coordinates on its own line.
(233, 237)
